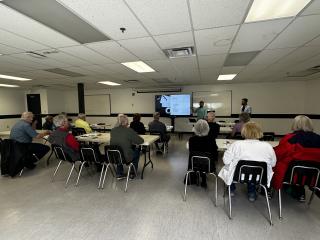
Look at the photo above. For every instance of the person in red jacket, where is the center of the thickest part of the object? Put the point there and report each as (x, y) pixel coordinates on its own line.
(302, 144)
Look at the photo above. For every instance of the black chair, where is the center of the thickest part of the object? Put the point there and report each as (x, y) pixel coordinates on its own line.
(114, 156)
(237, 136)
(201, 164)
(62, 156)
(162, 144)
(78, 131)
(89, 156)
(248, 172)
(302, 173)
(268, 136)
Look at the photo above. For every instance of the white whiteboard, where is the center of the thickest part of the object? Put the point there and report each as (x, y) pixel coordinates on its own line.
(97, 104)
(220, 102)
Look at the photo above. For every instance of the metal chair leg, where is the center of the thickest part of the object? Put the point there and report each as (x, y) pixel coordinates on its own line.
(185, 186)
(21, 172)
(311, 197)
(216, 188)
(101, 174)
(80, 172)
(267, 199)
(55, 171)
(230, 210)
(280, 205)
(130, 165)
(104, 176)
(73, 165)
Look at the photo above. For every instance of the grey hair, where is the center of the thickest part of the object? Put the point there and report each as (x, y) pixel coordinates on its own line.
(122, 120)
(201, 128)
(156, 115)
(26, 115)
(59, 120)
(81, 116)
(302, 123)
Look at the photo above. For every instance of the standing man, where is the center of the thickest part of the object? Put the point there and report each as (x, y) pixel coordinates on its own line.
(201, 111)
(245, 108)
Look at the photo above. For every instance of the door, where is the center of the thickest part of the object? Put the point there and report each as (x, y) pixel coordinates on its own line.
(34, 106)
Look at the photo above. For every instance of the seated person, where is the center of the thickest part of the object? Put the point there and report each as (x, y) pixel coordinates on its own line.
(301, 144)
(81, 123)
(214, 127)
(126, 138)
(250, 149)
(137, 125)
(243, 118)
(23, 132)
(48, 125)
(158, 127)
(203, 144)
(63, 138)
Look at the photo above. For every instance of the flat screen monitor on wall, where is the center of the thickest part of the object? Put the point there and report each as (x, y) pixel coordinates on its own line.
(173, 105)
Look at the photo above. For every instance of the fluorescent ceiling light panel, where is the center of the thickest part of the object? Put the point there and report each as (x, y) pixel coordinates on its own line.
(262, 10)
(8, 85)
(226, 77)
(138, 66)
(14, 78)
(109, 83)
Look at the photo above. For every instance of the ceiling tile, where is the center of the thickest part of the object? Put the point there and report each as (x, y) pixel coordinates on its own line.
(209, 74)
(69, 60)
(300, 55)
(162, 16)
(4, 49)
(87, 54)
(144, 48)
(108, 16)
(16, 22)
(215, 40)
(176, 40)
(302, 30)
(114, 51)
(217, 13)
(314, 42)
(212, 61)
(313, 8)
(255, 36)
(27, 63)
(268, 57)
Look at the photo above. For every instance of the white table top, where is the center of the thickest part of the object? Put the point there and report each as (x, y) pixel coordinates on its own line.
(105, 138)
(223, 144)
(226, 124)
(225, 130)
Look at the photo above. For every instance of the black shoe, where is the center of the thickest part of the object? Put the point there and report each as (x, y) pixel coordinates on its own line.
(302, 198)
(132, 176)
(204, 184)
(31, 166)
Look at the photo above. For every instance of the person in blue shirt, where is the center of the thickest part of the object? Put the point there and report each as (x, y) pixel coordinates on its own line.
(23, 132)
(201, 111)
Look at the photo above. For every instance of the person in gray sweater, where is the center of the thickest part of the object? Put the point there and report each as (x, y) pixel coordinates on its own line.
(127, 139)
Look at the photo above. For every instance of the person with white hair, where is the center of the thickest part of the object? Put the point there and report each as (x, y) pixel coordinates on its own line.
(63, 138)
(302, 144)
(23, 132)
(82, 123)
(127, 139)
(214, 127)
(202, 144)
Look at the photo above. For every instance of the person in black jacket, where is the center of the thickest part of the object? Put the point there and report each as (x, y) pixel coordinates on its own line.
(214, 127)
(136, 125)
(202, 143)
(48, 125)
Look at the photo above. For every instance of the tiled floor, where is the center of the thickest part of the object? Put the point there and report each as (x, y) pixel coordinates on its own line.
(33, 207)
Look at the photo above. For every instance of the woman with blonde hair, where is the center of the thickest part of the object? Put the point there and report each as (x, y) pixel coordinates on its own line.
(301, 144)
(250, 149)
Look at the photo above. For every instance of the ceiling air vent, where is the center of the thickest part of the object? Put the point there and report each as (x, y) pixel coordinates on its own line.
(131, 81)
(162, 80)
(64, 72)
(179, 52)
(35, 55)
(158, 90)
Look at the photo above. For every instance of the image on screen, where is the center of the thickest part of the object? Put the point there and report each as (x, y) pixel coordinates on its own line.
(173, 105)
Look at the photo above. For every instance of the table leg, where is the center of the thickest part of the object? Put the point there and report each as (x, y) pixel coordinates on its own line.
(147, 150)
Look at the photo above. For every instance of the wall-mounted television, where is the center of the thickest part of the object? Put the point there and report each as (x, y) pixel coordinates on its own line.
(174, 104)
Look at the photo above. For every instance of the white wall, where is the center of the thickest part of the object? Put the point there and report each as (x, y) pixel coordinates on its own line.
(56, 100)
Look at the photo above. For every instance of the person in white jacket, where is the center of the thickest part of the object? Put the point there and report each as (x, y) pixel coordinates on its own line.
(249, 149)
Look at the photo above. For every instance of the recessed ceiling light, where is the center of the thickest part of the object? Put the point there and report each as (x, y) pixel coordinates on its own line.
(225, 77)
(138, 66)
(109, 83)
(14, 78)
(8, 85)
(270, 9)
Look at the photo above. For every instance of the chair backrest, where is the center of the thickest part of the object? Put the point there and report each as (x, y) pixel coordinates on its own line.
(200, 163)
(78, 131)
(60, 154)
(114, 154)
(237, 136)
(251, 172)
(88, 154)
(303, 173)
(268, 136)
(157, 134)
